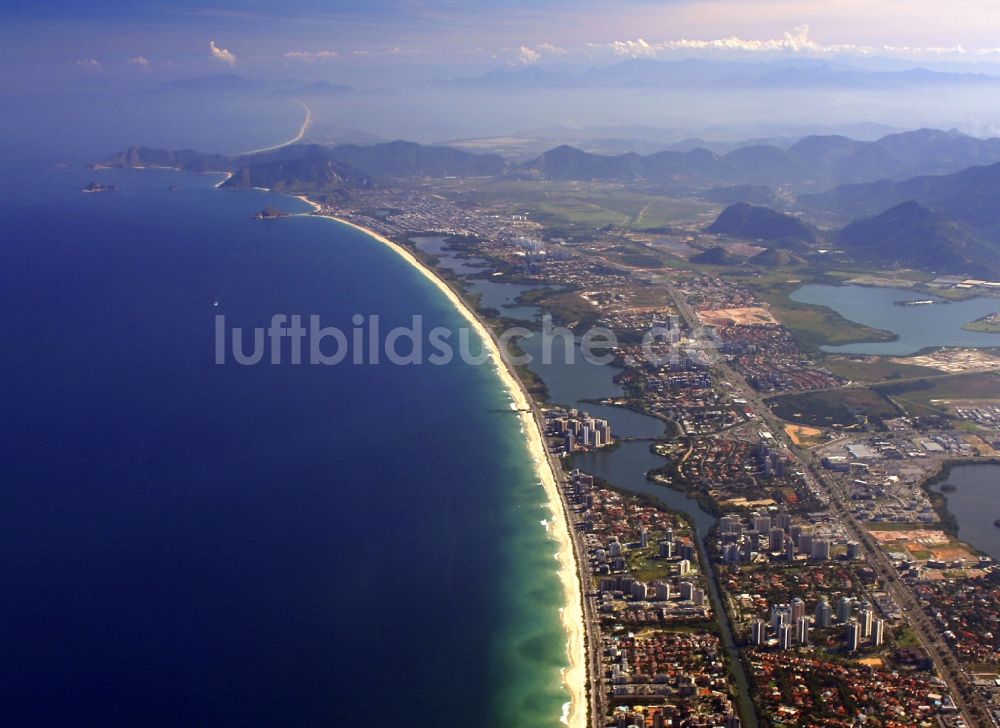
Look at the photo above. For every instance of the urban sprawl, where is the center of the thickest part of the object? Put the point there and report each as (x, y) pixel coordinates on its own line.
(847, 598)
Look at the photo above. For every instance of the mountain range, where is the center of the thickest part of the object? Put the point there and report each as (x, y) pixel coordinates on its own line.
(644, 73)
(811, 164)
(970, 196)
(925, 198)
(913, 236)
(316, 168)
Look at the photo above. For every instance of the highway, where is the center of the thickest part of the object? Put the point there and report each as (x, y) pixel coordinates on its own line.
(970, 704)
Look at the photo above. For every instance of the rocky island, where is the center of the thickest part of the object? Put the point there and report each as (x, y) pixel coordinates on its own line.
(98, 187)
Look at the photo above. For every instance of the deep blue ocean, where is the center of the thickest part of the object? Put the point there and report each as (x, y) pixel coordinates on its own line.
(183, 543)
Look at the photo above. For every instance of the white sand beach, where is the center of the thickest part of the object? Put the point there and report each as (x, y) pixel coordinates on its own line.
(574, 676)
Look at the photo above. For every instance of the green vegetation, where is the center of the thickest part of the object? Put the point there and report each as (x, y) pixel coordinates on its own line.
(874, 369)
(636, 260)
(813, 326)
(582, 205)
(906, 637)
(842, 407)
(569, 307)
(928, 394)
(646, 566)
(751, 222)
(987, 324)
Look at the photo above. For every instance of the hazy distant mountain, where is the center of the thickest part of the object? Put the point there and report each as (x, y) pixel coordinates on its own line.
(569, 163)
(723, 75)
(525, 78)
(816, 162)
(697, 167)
(913, 236)
(729, 195)
(301, 167)
(184, 159)
(222, 83)
(770, 165)
(309, 173)
(724, 147)
(332, 135)
(751, 222)
(829, 77)
(316, 88)
(969, 197)
(232, 83)
(408, 159)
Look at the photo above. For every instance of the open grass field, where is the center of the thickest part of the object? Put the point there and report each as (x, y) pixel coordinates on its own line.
(834, 407)
(635, 256)
(873, 369)
(584, 204)
(646, 566)
(937, 393)
(626, 210)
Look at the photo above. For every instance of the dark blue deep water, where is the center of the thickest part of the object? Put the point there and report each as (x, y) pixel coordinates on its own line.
(183, 543)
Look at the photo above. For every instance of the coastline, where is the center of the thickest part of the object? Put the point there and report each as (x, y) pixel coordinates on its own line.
(294, 140)
(574, 676)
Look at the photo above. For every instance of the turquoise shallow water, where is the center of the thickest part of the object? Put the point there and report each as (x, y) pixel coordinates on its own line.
(190, 543)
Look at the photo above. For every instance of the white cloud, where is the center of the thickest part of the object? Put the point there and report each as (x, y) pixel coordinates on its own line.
(310, 56)
(549, 49)
(140, 61)
(638, 48)
(527, 56)
(797, 41)
(222, 54)
(89, 64)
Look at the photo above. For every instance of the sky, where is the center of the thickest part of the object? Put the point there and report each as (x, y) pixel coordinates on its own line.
(82, 72)
(62, 41)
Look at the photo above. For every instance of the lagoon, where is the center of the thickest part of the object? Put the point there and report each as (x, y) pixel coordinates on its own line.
(917, 327)
(975, 503)
(499, 296)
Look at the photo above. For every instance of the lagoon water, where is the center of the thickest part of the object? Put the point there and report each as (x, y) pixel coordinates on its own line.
(193, 544)
(571, 380)
(496, 295)
(917, 327)
(447, 258)
(625, 466)
(975, 503)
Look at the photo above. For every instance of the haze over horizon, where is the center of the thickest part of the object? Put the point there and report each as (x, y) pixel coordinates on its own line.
(731, 70)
